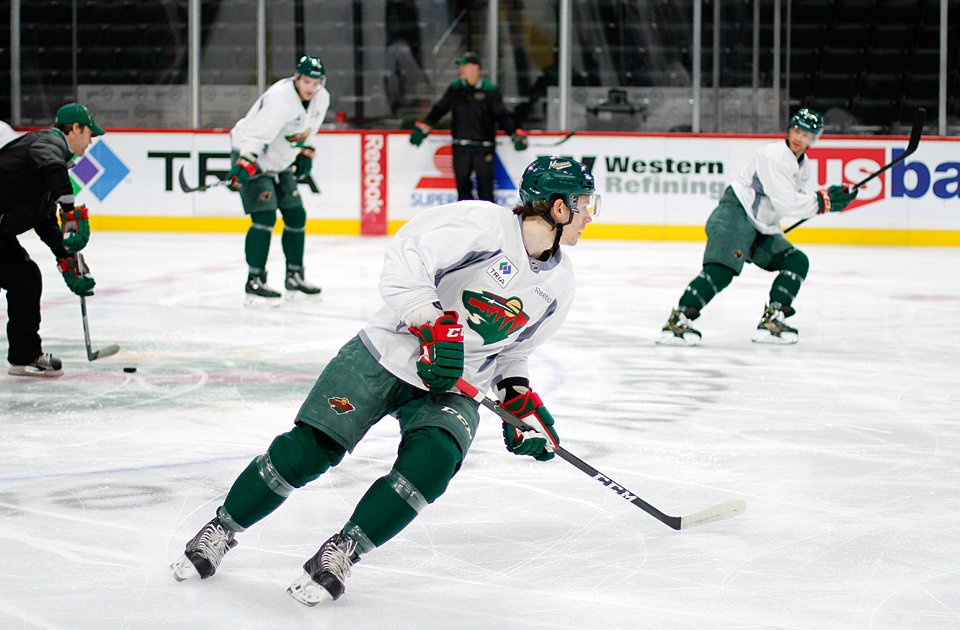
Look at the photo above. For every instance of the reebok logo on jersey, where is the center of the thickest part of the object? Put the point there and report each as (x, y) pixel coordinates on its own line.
(493, 317)
(502, 271)
(340, 404)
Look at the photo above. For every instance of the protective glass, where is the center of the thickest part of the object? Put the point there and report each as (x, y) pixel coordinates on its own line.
(584, 203)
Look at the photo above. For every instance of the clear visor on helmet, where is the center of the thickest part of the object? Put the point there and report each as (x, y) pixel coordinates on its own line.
(584, 203)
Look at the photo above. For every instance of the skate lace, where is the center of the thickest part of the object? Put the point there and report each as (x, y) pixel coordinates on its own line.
(44, 360)
(213, 543)
(336, 560)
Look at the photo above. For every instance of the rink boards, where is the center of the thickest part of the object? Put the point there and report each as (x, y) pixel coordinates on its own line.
(656, 187)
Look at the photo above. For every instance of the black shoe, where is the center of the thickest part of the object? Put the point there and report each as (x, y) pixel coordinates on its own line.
(772, 328)
(257, 287)
(678, 331)
(325, 573)
(44, 365)
(295, 282)
(203, 553)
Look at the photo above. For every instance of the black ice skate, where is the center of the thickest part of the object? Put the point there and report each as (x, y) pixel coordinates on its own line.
(772, 328)
(325, 573)
(204, 552)
(44, 365)
(678, 331)
(296, 284)
(259, 293)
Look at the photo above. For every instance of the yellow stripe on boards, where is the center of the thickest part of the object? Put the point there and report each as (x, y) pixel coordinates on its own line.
(599, 231)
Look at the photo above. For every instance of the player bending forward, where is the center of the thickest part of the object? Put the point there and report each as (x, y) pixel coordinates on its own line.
(745, 227)
(271, 148)
(470, 289)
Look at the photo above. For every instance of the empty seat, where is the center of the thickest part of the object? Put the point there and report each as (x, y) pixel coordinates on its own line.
(880, 111)
(842, 60)
(922, 86)
(877, 85)
(893, 36)
(840, 84)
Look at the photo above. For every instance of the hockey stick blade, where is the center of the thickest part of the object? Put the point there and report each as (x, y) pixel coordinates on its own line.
(107, 351)
(719, 512)
(916, 131)
(92, 355)
(187, 188)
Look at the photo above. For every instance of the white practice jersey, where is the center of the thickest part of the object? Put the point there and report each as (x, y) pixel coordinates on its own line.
(771, 187)
(469, 256)
(277, 127)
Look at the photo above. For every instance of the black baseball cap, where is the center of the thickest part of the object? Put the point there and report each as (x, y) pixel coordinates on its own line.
(468, 57)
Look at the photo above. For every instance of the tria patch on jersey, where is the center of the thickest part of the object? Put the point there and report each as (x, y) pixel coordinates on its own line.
(502, 271)
(340, 404)
(493, 317)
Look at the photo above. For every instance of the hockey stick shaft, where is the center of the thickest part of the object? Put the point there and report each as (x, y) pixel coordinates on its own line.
(915, 132)
(532, 145)
(92, 355)
(715, 513)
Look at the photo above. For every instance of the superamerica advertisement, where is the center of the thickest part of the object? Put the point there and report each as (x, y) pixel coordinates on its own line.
(376, 180)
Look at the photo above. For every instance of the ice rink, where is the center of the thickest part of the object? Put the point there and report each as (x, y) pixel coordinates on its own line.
(844, 447)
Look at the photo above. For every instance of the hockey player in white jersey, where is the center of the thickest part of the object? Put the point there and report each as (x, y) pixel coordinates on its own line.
(271, 149)
(469, 290)
(745, 227)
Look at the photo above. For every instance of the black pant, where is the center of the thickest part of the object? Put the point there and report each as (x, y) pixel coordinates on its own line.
(21, 279)
(466, 161)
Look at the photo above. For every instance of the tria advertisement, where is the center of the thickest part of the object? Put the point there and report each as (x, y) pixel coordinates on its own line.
(656, 187)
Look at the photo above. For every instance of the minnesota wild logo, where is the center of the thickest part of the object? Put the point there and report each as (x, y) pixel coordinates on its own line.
(492, 317)
(340, 404)
(298, 139)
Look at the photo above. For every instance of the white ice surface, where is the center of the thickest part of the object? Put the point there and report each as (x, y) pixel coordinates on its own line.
(844, 448)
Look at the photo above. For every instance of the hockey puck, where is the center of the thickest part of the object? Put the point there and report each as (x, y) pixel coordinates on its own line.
(130, 369)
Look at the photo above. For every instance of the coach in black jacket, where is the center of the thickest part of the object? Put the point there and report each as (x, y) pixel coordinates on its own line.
(33, 181)
(478, 109)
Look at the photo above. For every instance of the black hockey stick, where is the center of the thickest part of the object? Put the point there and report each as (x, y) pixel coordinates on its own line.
(92, 355)
(533, 145)
(202, 187)
(719, 512)
(915, 132)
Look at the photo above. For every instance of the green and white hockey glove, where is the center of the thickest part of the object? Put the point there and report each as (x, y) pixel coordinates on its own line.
(440, 365)
(520, 142)
(304, 163)
(77, 275)
(76, 227)
(420, 132)
(242, 171)
(835, 198)
(541, 441)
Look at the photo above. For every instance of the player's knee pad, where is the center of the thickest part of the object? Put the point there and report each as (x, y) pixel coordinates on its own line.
(796, 262)
(295, 217)
(428, 459)
(264, 220)
(297, 457)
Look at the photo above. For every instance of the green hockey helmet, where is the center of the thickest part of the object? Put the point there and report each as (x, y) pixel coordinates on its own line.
(808, 120)
(311, 67)
(564, 176)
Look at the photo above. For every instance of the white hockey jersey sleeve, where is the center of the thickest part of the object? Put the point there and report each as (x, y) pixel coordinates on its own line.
(441, 239)
(780, 186)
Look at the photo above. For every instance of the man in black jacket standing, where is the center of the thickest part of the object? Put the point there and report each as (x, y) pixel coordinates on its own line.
(478, 109)
(33, 182)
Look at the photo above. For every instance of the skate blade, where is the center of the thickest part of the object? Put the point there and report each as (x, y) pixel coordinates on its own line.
(669, 339)
(308, 592)
(784, 339)
(296, 294)
(257, 301)
(183, 569)
(27, 370)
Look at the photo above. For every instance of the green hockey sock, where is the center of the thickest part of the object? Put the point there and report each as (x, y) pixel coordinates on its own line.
(250, 498)
(293, 237)
(382, 513)
(793, 271)
(712, 280)
(257, 244)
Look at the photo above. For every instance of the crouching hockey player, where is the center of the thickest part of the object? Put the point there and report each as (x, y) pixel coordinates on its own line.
(745, 227)
(470, 289)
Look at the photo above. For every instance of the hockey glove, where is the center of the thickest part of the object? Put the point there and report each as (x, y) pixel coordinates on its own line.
(304, 163)
(75, 226)
(835, 198)
(242, 171)
(76, 275)
(441, 352)
(541, 440)
(519, 138)
(420, 132)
